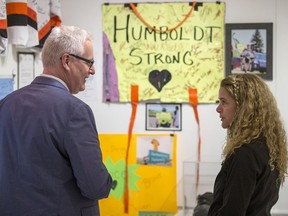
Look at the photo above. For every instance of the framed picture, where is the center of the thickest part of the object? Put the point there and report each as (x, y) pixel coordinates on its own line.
(25, 68)
(163, 116)
(249, 49)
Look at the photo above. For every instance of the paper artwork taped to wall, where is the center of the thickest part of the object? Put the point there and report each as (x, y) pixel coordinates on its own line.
(151, 173)
(6, 87)
(165, 49)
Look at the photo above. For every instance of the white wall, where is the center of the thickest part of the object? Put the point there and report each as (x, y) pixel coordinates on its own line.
(114, 118)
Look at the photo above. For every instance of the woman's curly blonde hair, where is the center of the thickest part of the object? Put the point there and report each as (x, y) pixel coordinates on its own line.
(257, 115)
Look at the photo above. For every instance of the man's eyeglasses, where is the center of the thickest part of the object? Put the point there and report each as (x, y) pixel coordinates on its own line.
(88, 61)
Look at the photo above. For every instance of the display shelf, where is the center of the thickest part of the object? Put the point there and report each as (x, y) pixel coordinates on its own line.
(193, 187)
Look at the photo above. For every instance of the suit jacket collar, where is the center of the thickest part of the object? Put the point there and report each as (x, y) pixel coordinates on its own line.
(48, 81)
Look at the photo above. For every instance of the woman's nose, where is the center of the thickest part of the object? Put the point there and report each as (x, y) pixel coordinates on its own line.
(218, 108)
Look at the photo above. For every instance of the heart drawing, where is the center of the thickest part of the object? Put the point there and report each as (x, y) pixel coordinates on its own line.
(159, 78)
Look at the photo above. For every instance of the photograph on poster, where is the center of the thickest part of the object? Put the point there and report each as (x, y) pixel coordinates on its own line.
(249, 48)
(163, 116)
(155, 150)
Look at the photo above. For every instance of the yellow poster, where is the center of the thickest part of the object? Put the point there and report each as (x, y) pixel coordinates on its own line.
(151, 171)
(165, 49)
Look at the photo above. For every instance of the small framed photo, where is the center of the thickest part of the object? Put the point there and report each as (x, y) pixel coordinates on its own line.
(249, 49)
(164, 116)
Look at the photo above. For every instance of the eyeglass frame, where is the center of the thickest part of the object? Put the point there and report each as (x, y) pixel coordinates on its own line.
(88, 61)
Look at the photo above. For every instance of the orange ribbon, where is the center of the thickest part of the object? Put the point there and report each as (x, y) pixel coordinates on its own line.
(134, 101)
(133, 7)
(193, 99)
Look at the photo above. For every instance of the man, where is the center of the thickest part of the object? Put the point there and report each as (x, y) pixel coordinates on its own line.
(50, 158)
(247, 56)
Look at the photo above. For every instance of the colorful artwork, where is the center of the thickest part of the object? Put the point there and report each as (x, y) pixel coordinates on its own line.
(165, 49)
(251, 46)
(152, 181)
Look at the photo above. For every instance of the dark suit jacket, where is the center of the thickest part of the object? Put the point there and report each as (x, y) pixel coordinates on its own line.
(50, 158)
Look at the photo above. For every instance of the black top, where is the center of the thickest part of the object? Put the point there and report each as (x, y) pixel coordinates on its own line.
(245, 184)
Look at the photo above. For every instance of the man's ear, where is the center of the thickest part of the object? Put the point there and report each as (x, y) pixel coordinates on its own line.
(65, 61)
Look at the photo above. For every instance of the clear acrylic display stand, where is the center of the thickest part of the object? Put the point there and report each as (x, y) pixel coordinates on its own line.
(206, 178)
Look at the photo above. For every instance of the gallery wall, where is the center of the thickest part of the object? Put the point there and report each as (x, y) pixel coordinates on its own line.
(114, 118)
(212, 135)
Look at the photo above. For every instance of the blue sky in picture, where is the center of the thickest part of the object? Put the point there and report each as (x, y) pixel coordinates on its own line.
(244, 36)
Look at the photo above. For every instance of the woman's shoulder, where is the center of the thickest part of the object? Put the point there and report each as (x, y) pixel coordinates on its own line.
(256, 145)
(256, 149)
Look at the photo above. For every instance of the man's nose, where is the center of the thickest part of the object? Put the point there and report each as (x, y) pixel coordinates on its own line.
(92, 70)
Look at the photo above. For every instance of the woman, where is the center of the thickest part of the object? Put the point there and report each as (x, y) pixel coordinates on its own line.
(255, 154)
